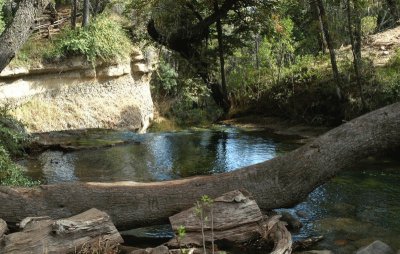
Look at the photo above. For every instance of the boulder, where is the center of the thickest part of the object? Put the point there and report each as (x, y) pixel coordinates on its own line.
(377, 247)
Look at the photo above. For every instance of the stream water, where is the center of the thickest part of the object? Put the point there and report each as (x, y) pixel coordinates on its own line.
(358, 206)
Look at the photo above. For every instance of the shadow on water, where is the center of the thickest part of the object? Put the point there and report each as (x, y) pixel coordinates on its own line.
(358, 206)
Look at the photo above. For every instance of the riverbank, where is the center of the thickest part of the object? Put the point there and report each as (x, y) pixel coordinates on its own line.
(278, 126)
(76, 94)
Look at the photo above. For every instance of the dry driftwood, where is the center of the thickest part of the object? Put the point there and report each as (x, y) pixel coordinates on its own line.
(280, 182)
(92, 229)
(3, 228)
(276, 230)
(233, 218)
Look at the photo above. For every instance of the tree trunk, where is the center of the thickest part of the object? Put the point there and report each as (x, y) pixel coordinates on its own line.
(393, 10)
(92, 230)
(86, 13)
(74, 12)
(355, 40)
(317, 18)
(19, 30)
(281, 182)
(329, 42)
(224, 90)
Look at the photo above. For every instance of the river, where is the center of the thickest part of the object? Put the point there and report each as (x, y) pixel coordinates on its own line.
(358, 206)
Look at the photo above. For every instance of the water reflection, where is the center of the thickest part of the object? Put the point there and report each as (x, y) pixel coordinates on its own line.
(355, 208)
(157, 156)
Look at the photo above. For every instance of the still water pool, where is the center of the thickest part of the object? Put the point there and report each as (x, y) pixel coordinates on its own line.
(355, 208)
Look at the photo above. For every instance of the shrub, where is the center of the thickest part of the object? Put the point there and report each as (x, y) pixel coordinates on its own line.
(13, 136)
(12, 140)
(12, 174)
(368, 25)
(103, 39)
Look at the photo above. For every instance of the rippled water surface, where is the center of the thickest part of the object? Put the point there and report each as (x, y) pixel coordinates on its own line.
(355, 208)
(156, 156)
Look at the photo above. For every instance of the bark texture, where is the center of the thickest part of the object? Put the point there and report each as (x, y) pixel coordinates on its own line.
(234, 217)
(277, 231)
(18, 32)
(280, 182)
(86, 231)
(86, 13)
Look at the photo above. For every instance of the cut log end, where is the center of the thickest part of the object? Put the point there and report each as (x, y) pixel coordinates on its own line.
(232, 219)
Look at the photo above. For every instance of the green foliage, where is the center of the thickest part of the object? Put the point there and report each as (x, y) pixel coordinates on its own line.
(12, 140)
(166, 81)
(388, 80)
(103, 39)
(31, 54)
(182, 98)
(181, 235)
(203, 209)
(368, 25)
(13, 136)
(181, 231)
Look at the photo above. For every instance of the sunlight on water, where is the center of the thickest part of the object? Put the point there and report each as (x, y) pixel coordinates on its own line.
(157, 156)
(352, 210)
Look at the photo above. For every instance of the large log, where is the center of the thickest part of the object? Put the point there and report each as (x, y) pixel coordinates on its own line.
(280, 182)
(234, 217)
(91, 230)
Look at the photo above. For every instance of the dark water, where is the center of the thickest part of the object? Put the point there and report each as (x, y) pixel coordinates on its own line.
(354, 209)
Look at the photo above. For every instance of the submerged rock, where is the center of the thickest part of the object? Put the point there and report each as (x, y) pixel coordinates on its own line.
(292, 221)
(345, 225)
(157, 250)
(301, 214)
(377, 247)
(344, 209)
(317, 252)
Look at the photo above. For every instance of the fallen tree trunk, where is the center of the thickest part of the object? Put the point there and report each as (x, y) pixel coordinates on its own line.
(83, 233)
(280, 182)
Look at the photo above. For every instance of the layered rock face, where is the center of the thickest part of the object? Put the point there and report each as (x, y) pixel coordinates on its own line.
(76, 94)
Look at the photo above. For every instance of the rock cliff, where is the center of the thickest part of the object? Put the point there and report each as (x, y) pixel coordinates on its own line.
(75, 94)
